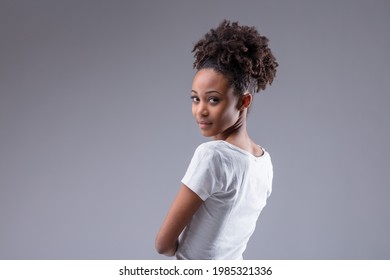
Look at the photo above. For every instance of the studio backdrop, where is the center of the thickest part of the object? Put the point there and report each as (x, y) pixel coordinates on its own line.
(96, 129)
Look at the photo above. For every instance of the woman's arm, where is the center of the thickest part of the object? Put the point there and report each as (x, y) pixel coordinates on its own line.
(179, 215)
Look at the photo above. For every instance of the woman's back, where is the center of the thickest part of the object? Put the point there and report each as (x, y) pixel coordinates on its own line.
(234, 185)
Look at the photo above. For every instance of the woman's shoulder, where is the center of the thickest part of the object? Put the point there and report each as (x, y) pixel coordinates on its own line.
(213, 150)
(226, 151)
(211, 146)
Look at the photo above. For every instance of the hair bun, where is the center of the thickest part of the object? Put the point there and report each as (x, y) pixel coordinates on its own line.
(239, 52)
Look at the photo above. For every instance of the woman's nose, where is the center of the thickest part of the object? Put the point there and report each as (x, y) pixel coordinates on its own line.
(202, 110)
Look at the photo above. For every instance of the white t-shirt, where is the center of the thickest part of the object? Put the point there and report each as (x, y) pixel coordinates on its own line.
(234, 185)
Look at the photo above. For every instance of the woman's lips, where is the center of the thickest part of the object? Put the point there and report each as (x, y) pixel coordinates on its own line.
(204, 124)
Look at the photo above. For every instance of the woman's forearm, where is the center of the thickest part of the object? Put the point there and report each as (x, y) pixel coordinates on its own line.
(167, 251)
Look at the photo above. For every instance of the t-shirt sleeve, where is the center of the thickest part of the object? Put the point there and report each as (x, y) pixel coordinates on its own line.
(204, 175)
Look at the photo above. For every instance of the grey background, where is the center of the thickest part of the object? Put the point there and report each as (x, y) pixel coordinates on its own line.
(96, 130)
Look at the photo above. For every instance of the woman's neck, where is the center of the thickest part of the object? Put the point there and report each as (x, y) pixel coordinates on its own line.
(238, 135)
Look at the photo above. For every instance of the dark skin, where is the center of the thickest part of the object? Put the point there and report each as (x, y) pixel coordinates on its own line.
(220, 114)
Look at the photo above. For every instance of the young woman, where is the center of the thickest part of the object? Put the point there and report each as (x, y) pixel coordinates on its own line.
(229, 178)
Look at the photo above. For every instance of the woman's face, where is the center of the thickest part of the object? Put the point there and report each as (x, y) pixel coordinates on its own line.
(214, 104)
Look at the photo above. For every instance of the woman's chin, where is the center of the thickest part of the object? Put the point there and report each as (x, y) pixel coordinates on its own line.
(206, 133)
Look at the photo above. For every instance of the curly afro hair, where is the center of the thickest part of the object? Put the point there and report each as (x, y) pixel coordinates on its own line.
(238, 52)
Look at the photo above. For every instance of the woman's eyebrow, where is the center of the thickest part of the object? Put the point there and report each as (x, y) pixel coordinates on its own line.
(208, 92)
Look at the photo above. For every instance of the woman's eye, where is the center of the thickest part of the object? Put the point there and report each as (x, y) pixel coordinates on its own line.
(213, 100)
(194, 99)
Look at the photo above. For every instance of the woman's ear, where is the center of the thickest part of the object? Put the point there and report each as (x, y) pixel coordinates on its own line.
(246, 101)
